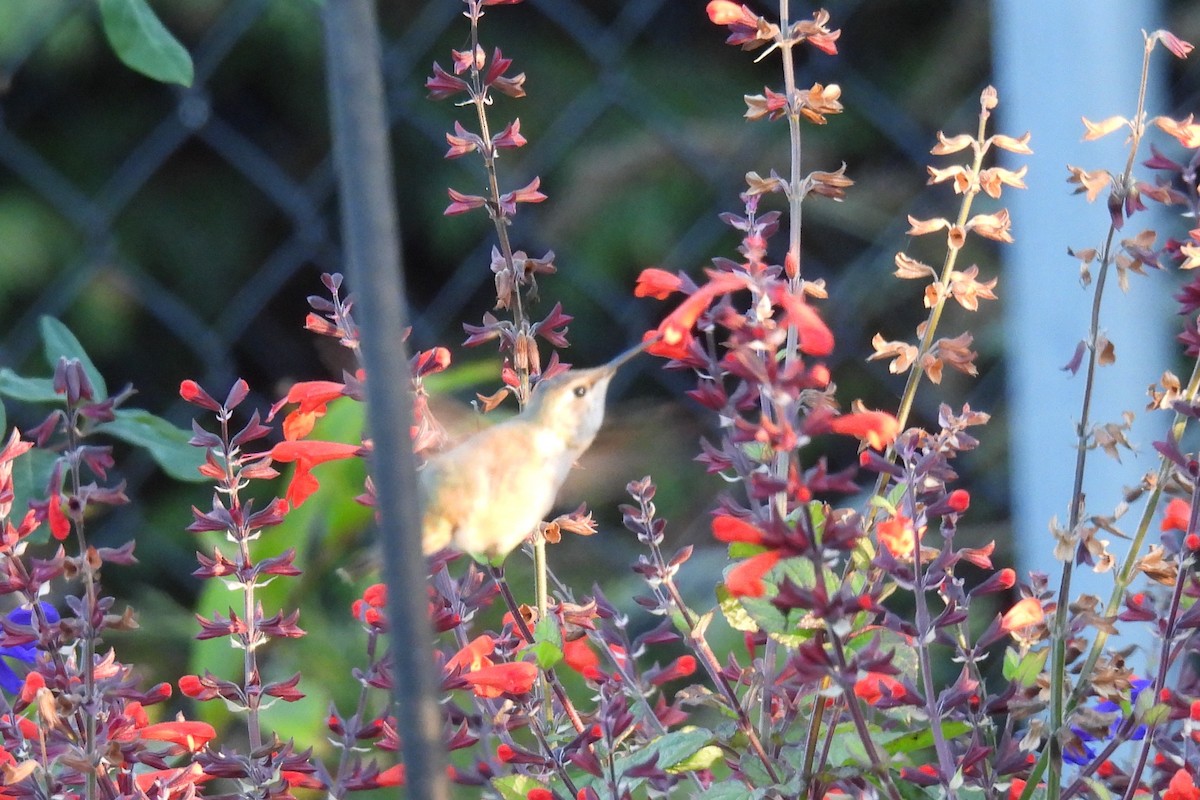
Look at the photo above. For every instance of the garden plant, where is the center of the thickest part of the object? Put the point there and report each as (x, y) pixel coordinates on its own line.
(877, 655)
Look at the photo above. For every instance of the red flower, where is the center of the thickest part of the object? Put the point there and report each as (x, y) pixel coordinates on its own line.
(959, 500)
(308, 455)
(191, 735)
(190, 390)
(582, 658)
(745, 580)
(731, 529)
(872, 688)
(1179, 512)
(60, 526)
(1182, 787)
(370, 608)
(815, 337)
(657, 283)
(313, 396)
(679, 668)
(539, 793)
(876, 428)
(675, 331)
(392, 776)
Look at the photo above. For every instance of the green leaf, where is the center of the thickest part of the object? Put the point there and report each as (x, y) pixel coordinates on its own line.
(59, 342)
(167, 444)
(514, 787)
(547, 646)
(735, 613)
(142, 42)
(673, 749)
(921, 739)
(704, 758)
(729, 790)
(1024, 670)
(30, 390)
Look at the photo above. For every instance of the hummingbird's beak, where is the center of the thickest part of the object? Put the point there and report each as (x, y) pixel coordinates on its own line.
(616, 362)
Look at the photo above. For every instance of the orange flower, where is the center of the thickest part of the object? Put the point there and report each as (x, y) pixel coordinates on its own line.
(1177, 515)
(745, 580)
(731, 529)
(657, 283)
(1025, 613)
(876, 428)
(898, 536)
(872, 688)
(515, 677)
(473, 655)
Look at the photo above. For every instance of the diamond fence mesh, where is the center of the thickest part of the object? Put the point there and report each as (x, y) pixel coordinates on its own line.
(177, 231)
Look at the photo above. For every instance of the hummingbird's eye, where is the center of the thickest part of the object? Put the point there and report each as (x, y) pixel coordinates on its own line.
(580, 391)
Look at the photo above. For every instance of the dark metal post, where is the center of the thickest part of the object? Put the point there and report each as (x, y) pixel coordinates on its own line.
(371, 242)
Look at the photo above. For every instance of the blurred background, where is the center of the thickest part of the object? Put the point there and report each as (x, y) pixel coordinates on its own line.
(178, 232)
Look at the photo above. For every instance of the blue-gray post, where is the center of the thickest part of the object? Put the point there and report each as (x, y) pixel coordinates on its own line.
(1055, 63)
(371, 243)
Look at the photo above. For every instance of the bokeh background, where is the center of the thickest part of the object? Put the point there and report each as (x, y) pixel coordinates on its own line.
(179, 231)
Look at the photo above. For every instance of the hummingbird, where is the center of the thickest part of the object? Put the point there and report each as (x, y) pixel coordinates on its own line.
(486, 495)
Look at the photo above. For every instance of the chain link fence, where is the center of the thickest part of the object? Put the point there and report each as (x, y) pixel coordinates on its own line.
(177, 231)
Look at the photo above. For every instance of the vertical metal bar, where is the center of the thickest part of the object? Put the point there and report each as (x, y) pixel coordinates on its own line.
(371, 243)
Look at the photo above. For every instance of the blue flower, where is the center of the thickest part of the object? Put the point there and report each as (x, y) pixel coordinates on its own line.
(9, 680)
(1078, 751)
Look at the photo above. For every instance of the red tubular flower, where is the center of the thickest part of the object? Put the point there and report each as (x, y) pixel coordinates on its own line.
(392, 776)
(539, 793)
(1177, 515)
(60, 525)
(582, 658)
(815, 337)
(308, 454)
(515, 677)
(745, 580)
(679, 668)
(731, 529)
(877, 428)
(959, 500)
(190, 390)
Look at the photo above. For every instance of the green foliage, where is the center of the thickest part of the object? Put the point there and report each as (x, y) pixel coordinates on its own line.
(547, 646)
(143, 43)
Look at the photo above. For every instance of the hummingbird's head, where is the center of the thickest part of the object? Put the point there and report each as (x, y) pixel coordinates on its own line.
(572, 404)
